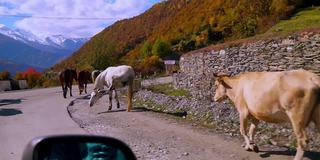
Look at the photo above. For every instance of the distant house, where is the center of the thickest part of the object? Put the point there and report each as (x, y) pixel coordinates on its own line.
(171, 64)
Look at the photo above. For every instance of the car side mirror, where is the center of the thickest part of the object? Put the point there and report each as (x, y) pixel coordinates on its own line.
(77, 147)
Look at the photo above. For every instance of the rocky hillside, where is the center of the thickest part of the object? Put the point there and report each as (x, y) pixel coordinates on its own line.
(184, 25)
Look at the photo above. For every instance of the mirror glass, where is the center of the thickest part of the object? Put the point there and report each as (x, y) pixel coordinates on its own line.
(79, 151)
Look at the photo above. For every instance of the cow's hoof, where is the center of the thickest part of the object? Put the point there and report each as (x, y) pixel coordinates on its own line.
(109, 108)
(254, 148)
(118, 105)
(247, 148)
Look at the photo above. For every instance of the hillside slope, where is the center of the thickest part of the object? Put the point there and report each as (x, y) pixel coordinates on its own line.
(185, 25)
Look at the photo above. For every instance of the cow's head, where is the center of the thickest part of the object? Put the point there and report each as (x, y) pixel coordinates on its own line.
(95, 96)
(221, 88)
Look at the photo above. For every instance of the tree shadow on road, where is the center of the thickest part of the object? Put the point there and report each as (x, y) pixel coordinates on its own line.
(9, 111)
(9, 101)
(289, 152)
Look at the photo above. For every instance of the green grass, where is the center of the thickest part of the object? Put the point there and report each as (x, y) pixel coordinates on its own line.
(167, 89)
(304, 19)
(152, 106)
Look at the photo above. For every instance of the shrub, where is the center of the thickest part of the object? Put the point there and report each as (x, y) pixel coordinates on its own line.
(146, 50)
(5, 75)
(34, 78)
(149, 65)
(19, 76)
(161, 48)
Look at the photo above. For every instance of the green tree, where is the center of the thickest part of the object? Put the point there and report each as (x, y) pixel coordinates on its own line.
(161, 48)
(146, 49)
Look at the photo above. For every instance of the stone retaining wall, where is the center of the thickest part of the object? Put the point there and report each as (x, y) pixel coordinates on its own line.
(13, 85)
(300, 50)
(5, 86)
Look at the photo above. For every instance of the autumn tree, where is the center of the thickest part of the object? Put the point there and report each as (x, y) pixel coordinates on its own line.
(19, 76)
(33, 77)
(4, 75)
(104, 56)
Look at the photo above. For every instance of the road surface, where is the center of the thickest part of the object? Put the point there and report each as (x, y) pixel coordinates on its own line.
(31, 113)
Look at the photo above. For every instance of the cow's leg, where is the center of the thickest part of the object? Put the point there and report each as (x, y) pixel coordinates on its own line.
(301, 140)
(65, 89)
(130, 94)
(110, 99)
(243, 114)
(299, 122)
(85, 88)
(116, 97)
(252, 132)
(70, 86)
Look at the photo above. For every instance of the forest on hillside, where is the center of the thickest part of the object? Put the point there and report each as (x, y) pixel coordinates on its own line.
(174, 27)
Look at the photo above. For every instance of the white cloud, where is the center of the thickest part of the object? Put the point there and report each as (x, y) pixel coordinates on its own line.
(116, 9)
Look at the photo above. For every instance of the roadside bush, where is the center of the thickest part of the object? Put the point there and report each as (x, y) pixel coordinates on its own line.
(150, 65)
(34, 78)
(5, 75)
(19, 76)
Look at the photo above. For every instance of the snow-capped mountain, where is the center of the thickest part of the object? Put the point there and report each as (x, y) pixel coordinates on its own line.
(44, 51)
(62, 42)
(56, 41)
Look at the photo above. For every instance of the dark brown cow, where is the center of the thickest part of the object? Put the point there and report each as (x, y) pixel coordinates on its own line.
(83, 79)
(66, 78)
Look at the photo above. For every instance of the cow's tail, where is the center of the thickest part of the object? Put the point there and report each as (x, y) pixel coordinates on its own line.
(316, 116)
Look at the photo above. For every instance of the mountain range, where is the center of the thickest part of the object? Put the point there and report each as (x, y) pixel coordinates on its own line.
(20, 49)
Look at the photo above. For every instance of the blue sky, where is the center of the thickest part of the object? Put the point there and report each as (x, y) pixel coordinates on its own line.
(71, 18)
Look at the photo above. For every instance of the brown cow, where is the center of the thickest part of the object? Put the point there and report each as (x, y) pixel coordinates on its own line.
(66, 78)
(84, 78)
(289, 96)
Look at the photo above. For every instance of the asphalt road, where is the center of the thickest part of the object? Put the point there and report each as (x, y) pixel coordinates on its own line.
(31, 113)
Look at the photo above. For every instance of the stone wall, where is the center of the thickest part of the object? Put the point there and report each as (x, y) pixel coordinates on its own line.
(23, 84)
(299, 50)
(13, 85)
(5, 86)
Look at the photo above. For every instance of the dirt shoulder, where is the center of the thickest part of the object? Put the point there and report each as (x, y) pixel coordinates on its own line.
(161, 136)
